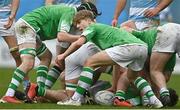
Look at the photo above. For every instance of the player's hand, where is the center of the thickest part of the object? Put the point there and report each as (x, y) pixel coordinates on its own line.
(9, 22)
(151, 12)
(114, 22)
(60, 60)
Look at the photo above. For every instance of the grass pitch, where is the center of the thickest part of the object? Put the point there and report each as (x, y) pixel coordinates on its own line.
(6, 74)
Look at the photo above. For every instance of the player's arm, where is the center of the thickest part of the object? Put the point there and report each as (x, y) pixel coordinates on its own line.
(119, 8)
(66, 37)
(14, 8)
(73, 47)
(161, 5)
(49, 2)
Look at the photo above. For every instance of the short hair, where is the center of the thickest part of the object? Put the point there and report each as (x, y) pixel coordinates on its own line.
(173, 96)
(89, 6)
(83, 14)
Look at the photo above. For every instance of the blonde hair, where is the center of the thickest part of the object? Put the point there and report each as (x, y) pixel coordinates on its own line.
(83, 14)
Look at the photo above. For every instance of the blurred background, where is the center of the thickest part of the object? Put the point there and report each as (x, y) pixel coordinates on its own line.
(107, 8)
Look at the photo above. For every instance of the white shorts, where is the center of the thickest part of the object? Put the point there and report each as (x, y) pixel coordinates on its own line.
(141, 25)
(74, 62)
(24, 32)
(132, 56)
(73, 31)
(168, 39)
(6, 32)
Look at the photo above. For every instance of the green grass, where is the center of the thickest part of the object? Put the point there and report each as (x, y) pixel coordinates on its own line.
(6, 74)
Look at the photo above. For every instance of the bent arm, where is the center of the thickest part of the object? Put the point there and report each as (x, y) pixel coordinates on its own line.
(119, 7)
(74, 46)
(66, 37)
(163, 4)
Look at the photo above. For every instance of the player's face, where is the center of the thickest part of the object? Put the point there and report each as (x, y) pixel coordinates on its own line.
(83, 24)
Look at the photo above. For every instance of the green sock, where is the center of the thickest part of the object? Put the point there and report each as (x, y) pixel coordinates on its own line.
(71, 86)
(164, 92)
(144, 87)
(17, 78)
(85, 81)
(52, 76)
(41, 75)
(120, 94)
(41, 91)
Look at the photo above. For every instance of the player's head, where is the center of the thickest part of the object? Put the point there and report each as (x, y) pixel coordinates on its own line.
(83, 19)
(89, 6)
(173, 96)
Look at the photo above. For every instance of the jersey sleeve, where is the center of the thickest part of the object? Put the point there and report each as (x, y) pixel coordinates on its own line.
(89, 33)
(65, 22)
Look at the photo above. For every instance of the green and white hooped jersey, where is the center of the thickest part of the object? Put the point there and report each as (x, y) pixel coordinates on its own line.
(47, 21)
(106, 36)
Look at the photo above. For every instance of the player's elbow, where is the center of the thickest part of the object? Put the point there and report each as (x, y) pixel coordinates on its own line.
(62, 37)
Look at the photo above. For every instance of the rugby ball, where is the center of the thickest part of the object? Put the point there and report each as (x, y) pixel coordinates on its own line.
(104, 97)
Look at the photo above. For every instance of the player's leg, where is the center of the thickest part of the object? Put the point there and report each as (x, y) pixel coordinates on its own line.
(56, 71)
(45, 57)
(56, 95)
(168, 69)
(135, 62)
(12, 44)
(20, 72)
(74, 65)
(27, 47)
(116, 77)
(52, 76)
(121, 82)
(141, 84)
(157, 65)
(42, 92)
(161, 53)
(10, 39)
(86, 76)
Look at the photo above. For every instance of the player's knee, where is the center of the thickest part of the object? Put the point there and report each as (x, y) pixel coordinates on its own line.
(28, 64)
(89, 63)
(46, 59)
(44, 54)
